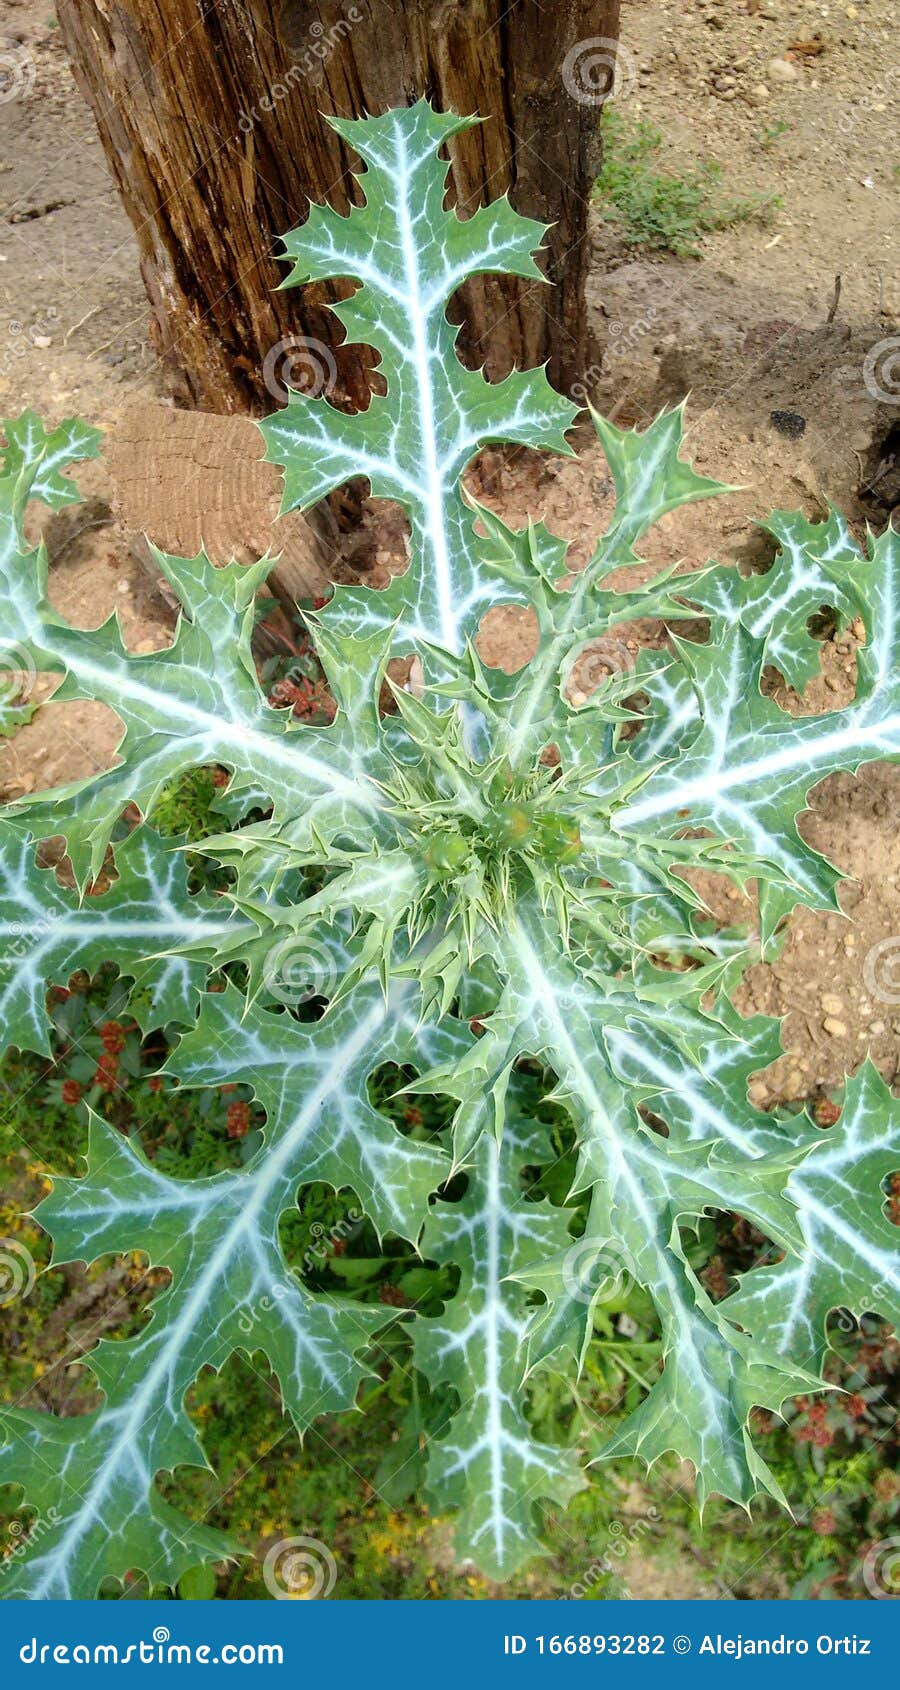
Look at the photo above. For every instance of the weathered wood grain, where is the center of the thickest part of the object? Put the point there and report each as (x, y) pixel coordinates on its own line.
(210, 115)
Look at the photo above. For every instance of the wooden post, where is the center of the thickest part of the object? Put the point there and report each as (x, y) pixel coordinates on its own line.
(211, 118)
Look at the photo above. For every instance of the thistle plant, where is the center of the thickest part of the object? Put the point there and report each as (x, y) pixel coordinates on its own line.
(483, 875)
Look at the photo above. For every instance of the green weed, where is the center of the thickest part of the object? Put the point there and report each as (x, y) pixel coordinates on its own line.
(657, 210)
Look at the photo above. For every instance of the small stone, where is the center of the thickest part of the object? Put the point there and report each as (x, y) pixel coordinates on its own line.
(781, 70)
(789, 423)
(758, 94)
(876, 1028)
(831, 1003)
(835, 1028)
(42, 340)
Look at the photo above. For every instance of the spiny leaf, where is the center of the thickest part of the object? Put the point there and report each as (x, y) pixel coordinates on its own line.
(409, 254)
(818, 567)
(497, 847)
(143, 917)
(488, 1464)
(94, 1477)
(197, 702)
(850, 1258)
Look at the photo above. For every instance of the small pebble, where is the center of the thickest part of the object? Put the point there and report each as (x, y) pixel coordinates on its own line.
(789, 423)
(837, 1029)
(781, 70)
(831, 1003)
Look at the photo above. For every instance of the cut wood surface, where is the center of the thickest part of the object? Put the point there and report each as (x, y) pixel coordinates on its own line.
(191, 480)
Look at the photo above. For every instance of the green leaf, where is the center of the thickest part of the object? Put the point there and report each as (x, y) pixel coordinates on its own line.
(92, 1478)
(291, 1066)
(197, 702)
(140, 922)
(198, 1584)
(527, 850)
(818, 567)
(850, 1258)
(487, 1463)
(410, 255)
(750, 767)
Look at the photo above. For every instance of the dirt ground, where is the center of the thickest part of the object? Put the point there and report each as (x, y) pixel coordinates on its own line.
(790, 97)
